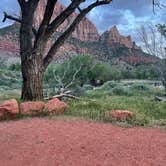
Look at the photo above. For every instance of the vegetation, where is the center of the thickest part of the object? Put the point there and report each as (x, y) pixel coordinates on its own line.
(154, 38)
(33, 40)
(135, 97)
(75, 74)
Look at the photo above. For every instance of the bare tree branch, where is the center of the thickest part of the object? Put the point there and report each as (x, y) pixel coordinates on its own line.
(62, 17)
(74, 77)
(71, 28)
(152, 40)
(45, 22)
(6, 16)
(62, 95)
(158, 4)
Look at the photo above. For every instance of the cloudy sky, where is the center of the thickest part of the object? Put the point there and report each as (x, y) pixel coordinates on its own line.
(128, 15)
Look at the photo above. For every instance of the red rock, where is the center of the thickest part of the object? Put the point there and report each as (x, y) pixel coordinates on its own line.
(114, 38)
(85, 31)
(103, 47)
(120, 115)
(132, 60)
(9, 109)
(56, 106)
(27, 108)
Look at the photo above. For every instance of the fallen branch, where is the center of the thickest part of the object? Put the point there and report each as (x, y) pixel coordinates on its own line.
(62, 95)
(157, 98)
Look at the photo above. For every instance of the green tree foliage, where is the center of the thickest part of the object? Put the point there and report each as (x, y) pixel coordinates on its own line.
(15, 67)
(77, 72)
(147, 72)
(162, 29)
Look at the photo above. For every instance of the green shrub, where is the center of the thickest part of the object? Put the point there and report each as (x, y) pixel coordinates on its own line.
(121, 91)
(82, 68)
(88, 87)
(100, 71)
(15, 67)
(109, 85)
(141, 87)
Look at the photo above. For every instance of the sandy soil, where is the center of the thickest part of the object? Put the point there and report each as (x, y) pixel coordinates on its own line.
(44, 142)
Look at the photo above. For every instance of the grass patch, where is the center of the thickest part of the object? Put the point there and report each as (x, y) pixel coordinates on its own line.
(136, 97)
(147, 111)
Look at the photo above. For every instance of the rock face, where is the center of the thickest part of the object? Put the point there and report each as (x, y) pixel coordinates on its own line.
(84, 40)
(120, 115)
(85, 31)
(115, 39)
(9, 109)
(28, 108)
(9, 46)
(133, 60)
(55, 106)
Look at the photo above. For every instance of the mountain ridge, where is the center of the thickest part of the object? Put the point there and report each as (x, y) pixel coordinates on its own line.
(84, 40)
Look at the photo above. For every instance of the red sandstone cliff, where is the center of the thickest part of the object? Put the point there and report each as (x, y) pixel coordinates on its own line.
(85, 31)
(88, 42)
(114, 38)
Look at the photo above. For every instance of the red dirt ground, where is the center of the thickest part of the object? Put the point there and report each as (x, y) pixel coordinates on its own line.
(44, 142)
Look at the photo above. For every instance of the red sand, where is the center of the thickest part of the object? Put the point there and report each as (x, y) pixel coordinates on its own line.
(44, 142)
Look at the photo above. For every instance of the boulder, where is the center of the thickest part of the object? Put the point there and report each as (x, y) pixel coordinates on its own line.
(33, 107)
(120, 115)
(9, 109)
(55, 106)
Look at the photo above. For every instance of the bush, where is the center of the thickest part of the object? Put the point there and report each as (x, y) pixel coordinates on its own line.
(147, 72)
(108, 85)
(82, 68)
(88, 87)
(121, 91)
(141, 87)
(100, 71)
(15, 67)
(79, 91)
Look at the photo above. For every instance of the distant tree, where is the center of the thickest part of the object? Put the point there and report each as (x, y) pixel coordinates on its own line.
(154, 40)
(32, 47)
(162, 30)
(70, 74)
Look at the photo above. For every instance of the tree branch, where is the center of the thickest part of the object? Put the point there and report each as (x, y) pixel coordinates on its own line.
(6, 16)
(62, 16)
(46, 20)
(157, 3)
(74, 77)
(69, 31)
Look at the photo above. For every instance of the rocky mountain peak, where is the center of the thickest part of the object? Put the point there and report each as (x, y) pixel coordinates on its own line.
(86, 40)
(85, 31)
(114, 31)
(115, 39)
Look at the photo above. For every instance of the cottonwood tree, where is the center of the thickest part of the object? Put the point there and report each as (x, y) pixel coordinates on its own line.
(33, 62)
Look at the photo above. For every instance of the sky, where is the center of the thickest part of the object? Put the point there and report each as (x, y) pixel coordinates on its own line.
(127, 15)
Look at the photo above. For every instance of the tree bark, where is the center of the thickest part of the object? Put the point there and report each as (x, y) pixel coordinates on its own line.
(32, 74)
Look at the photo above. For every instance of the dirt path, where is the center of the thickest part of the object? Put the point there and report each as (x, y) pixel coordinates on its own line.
(43, 142)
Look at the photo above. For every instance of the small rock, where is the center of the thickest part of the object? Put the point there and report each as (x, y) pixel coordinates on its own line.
(56, 106)
(28, 108)
(120, 115)
(9, 109)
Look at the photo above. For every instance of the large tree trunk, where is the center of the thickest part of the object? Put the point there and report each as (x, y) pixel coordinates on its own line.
(32, 75)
